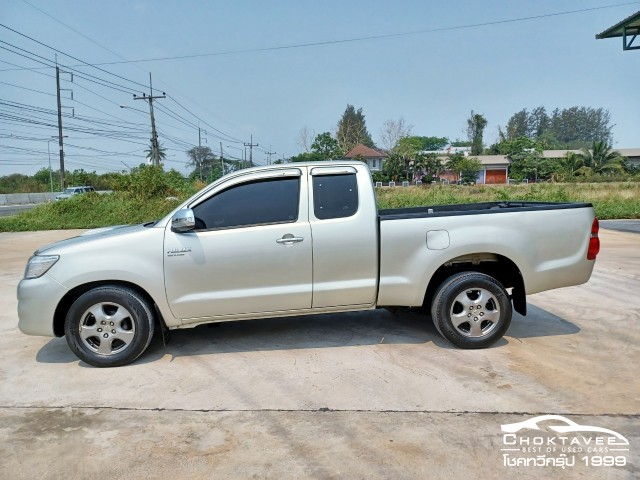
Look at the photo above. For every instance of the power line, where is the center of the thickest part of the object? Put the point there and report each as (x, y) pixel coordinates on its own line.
(71, 56)
(20, 67)
(233, 139)
(36, 119)
(30, 89)
(46, 61)
(366, 38)
(229, 137)
(49, 64)
(119, 56)
(74, 30)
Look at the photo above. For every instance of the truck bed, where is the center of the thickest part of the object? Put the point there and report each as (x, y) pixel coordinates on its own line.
(474, 209)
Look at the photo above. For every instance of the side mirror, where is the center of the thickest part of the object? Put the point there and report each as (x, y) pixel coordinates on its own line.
(183, 221)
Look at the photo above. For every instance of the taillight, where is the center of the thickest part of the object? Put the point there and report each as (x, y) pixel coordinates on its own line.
(594, 241)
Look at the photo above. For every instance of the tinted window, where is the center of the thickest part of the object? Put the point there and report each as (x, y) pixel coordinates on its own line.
(260, 202)
(335, 196)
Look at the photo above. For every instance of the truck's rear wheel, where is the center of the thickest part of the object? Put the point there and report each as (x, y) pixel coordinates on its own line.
(471, 310)
(109, 326)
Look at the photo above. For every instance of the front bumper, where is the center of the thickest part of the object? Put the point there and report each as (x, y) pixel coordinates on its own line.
(38, 299)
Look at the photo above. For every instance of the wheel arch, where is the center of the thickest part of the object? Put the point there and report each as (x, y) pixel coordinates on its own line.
(495, 265)
(72, 295)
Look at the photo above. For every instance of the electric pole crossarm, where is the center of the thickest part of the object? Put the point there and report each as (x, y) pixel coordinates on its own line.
(251, 145)
(270, 153)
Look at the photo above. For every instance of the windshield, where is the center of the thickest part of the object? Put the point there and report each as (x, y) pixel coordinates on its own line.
(68, 190)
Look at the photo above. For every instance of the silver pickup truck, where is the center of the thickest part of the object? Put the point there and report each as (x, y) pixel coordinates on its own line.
(300, 239)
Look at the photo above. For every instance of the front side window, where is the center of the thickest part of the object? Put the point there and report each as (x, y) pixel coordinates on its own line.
(254, 203)
(335, 196)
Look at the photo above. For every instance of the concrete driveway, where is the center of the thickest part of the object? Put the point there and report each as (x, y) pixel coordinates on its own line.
(370, 395)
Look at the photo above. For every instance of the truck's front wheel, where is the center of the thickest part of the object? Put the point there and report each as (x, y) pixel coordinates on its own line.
(471, 310)
(109, 326)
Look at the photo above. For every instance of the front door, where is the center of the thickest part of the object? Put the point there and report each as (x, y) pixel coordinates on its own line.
(251, 252)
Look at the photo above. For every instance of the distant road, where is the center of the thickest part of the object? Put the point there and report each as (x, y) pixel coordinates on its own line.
(632, 226)
(7, 210)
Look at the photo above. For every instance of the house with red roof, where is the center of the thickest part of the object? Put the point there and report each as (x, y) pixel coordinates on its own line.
(372, 157)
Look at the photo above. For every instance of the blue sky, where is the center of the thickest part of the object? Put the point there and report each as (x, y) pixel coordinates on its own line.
(433, 79)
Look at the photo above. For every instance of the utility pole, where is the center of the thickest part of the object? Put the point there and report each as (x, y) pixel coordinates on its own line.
(199, 154)
(155, 153)
(50, 174)
(222, 158)
(251, 145)
(60, 128)
(270, 153)
(200, 132)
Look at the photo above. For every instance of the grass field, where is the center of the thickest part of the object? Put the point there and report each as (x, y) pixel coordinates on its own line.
(611, 200)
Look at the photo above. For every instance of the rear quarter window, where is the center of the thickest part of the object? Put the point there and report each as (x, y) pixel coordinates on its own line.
(335, 196)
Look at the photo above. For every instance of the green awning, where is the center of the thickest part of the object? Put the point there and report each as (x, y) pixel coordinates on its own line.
(628, 29)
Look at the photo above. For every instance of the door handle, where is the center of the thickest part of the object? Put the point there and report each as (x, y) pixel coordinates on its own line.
(289, 239)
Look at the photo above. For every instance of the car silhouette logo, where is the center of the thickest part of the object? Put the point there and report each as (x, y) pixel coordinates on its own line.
(564, 425)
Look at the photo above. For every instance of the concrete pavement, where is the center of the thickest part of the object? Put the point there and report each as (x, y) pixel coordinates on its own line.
(367, 395)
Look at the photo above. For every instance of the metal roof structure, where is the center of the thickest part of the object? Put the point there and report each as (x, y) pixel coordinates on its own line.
(628, 29)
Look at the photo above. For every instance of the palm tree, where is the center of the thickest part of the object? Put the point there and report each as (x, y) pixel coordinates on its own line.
(162, 152)
(572, 164)
(601, 158)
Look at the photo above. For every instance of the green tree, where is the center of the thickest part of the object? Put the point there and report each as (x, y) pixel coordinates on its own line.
(455, 163)
(19, 183)
(202, 160)
(407, 151)
(213, 173)
(469, 169)
(80, 177)
(428, 166)
(45, 178)
(307, 157)
(531, 165)
(574, 127)
(434, 143)
(567, 167)
(475, 130)
(394, 167)
(577, 127)
(515, 146)
(465, 168)
(352, 130)
(409, 147)
(106, 181)
(534, 124)
(419, 144)
(326, 147)
(151, 181)
(602, 159)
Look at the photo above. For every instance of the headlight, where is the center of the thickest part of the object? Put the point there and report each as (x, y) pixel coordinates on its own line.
(38, 265)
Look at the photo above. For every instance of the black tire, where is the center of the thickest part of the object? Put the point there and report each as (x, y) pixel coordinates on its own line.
(109, 326)
(471, 310)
